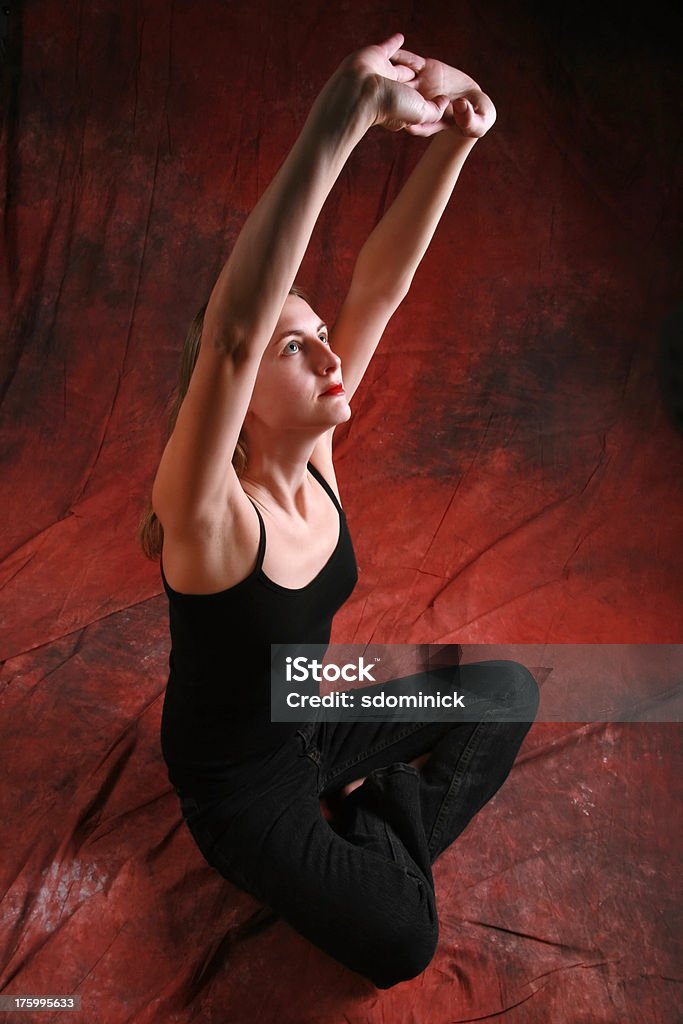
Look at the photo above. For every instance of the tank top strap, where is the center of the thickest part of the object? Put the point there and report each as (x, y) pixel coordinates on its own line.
(262, 538)
(321, 480)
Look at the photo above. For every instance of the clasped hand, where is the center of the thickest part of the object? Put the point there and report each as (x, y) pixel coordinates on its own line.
(422, 95)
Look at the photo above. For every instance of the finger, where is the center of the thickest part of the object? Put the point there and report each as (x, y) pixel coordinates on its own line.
(486, 109)
(411, 60)
(403, 74)
(435, 109)
(425, 130)
(464, 110)
(473, 121)
(468, 120)
(430, 118)
(474, 116)
(392, 44)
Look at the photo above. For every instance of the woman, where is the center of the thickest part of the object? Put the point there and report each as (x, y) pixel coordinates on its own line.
(256, 550)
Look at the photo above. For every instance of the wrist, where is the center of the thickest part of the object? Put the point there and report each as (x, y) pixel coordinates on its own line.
(453, 143)
(350, 99)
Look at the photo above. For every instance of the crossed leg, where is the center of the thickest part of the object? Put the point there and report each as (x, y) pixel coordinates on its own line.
(497, 687)
(355, 783)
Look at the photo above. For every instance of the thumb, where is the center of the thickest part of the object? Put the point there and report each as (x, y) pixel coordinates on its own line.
(463, 108)
(392, 44)
(438, 105)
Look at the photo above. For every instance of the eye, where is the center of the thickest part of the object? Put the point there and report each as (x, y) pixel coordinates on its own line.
(290, 352)
(324, 337)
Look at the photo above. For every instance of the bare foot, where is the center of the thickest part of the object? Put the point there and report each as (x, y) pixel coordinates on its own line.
(355, 783)
(350, 786)
(418, 761)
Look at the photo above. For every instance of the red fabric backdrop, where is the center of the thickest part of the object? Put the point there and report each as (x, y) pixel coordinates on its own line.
(515, 479)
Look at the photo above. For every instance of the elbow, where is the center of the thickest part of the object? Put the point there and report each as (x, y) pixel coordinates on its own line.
(374, 286)
(393, 293)
(401, 290)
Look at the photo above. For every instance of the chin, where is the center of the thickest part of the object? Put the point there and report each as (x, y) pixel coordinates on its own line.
(342, 414)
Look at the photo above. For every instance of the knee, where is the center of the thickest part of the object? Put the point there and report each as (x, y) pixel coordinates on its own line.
(521, 690)
(406, 954)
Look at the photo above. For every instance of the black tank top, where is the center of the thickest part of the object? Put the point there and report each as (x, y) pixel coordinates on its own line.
(216, 713)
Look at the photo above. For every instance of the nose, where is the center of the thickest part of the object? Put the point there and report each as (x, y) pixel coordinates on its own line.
(326, 361)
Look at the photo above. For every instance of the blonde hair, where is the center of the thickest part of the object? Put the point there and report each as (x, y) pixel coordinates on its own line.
(150, 533)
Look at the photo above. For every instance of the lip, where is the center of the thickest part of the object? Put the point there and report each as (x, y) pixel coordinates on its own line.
(336, 389)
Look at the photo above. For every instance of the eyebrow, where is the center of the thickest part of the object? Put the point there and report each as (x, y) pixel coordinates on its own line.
(299, 334)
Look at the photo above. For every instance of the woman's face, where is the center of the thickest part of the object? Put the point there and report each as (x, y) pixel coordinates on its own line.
(297, 366)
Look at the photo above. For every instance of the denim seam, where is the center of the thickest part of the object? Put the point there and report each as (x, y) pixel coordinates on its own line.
(394, 852)
(330, 777)
(400, 855)
(306, 733)
(456, 780)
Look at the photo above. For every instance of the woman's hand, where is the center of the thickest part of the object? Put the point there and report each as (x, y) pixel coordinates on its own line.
(469, 111)
(396, 105)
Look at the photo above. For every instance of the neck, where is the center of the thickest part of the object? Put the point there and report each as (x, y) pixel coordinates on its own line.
(278, 480)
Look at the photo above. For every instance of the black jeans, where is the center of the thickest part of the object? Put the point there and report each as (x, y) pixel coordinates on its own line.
(360, 886)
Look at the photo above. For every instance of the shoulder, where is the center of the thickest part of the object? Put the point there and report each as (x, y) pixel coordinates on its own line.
(214, 552)
(321, 458)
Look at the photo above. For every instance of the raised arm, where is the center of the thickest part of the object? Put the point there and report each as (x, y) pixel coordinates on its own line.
(389, 258)
(249, 294)
(195, 476)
